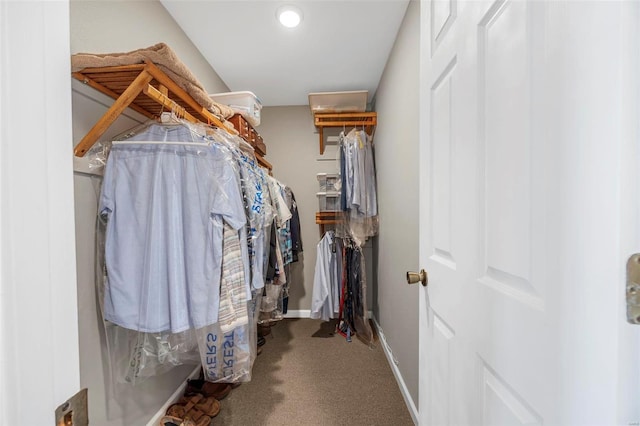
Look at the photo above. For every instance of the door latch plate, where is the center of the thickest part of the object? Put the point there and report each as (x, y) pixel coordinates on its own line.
(633, 289)
(74, 411)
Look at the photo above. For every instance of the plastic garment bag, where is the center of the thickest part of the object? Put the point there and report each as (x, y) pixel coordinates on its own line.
(258, 206)
(165, 205)
(353, 301)
(228, 356)
(96, 157)
(358, 191)
(170, 196)
(135, 356)
(358, 201)
(281, 255)
(226, 347)
(233, 295)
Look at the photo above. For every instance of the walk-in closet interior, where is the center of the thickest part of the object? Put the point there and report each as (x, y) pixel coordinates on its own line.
(136, 361)
(170, 257)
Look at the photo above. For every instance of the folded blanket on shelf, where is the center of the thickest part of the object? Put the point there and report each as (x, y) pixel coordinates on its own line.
(165, 59)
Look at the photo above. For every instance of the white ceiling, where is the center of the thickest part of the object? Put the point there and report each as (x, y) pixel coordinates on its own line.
(340, 45)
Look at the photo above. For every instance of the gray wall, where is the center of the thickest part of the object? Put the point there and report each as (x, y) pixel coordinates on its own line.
(293, 150)
(102, 27)
(396, 143)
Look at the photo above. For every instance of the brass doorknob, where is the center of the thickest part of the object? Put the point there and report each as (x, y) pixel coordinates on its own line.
(414, 277)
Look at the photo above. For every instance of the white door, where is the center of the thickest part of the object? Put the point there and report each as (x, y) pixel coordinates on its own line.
(529, 211)
(39, 356)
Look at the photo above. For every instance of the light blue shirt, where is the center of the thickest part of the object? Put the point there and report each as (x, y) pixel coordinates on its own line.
(325, 302)
(165, 205)
(360, 179)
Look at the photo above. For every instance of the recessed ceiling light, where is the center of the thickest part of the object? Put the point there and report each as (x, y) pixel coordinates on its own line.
(289, 16)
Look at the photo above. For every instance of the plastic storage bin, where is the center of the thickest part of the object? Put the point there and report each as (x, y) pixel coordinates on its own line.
(329, 182)
(350, 101)
(328, 201)
(244, 103)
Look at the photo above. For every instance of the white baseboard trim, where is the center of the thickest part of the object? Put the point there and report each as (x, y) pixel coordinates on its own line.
(155, 420)
(306, 313)
(396, 372)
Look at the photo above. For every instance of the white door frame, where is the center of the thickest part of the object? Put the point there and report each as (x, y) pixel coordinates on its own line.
(39, 355)
(628, 334)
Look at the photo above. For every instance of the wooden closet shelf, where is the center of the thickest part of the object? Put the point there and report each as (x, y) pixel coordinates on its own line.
(147, 90)
(264, 163)
(328, 218)
(366, 120)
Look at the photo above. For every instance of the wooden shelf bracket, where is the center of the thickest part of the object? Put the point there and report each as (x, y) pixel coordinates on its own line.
(329, 218)
(366, 120)
(147, 90)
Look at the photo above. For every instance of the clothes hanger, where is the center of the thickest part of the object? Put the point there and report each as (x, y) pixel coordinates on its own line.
(168, 120)
(162, 117)
(134, 142)
(134, 130)
(233, 141)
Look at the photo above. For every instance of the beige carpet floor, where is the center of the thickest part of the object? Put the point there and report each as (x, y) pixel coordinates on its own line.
(308, 376)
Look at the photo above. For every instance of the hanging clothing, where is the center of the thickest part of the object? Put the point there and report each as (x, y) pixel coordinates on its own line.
(284, 231)
(286, 243)
(279, 204)
(296, 236)
(233, 295)
(259, 214)
(272, 266)
(186, 215)
(325, 303)
(281, 277)
(359, 179)
(358, 192)
(165, 205)
(292, 242)
(273, 307)
(353, 309)
(282, 216)
(358, 173)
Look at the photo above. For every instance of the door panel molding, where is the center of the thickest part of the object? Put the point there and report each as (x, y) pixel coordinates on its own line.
(443, 14)
(513, 286)
(504, 134)
(440, 411)
(441, 165)
(501, 404)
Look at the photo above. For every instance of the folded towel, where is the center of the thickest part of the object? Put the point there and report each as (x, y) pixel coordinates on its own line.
(165, 59)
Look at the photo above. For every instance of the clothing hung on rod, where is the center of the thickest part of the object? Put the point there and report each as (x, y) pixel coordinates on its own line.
(285, 235)
(353, 306)
(340, 284)
(186, 212)
(358, 197)
(165, 206)
(359, 180)
(325, 303)
(292, 241)
(340, 287)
